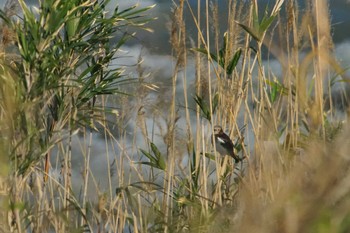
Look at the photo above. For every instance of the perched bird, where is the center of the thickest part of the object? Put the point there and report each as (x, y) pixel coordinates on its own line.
(223, 143)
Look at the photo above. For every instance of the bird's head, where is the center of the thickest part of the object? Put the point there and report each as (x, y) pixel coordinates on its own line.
(217, 129)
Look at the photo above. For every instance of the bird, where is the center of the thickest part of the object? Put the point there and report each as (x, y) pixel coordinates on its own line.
(223, 143)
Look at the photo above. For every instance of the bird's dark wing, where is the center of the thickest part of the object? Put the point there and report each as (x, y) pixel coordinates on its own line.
(226, 142)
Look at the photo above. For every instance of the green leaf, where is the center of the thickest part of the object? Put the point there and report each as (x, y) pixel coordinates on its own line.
(194, 173)
(156, 159)
(149, 156)
(215, 102)
(210, 156)
(255, 18)
(4, 17)
(276, 89)
(159, 158)
(274, 92)
(204, 51)
(234, 61)
(204, 107)
(146, 186)
(265, 23)
(258, 28)
(251, 31)
(339, 73)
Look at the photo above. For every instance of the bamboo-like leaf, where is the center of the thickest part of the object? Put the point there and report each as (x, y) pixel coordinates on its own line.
(136, 13)
(156, 159)
(210, 156)
(4, 17)
(234, 61)
(265, 23)
(204, 51)
(274, 92)
(204, 107)
(215, 102)
(251, 31)
(146, 186)
(195, 173)
(276, 89)
(255, 18)
(159, 158)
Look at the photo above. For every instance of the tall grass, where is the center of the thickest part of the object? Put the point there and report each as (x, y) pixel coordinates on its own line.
(59, 81)
(55, 89)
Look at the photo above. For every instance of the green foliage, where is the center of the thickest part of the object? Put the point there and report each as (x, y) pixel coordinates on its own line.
(195, 174)
(258, 29)
(66, 49)
(205, 107)
(335, 79)
(156, 159)
(221, 59)
(276, 89)
(64, 64)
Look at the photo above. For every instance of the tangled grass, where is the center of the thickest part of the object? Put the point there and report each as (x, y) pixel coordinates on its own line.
(60, 88)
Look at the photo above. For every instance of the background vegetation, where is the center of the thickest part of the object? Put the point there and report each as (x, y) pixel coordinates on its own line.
(60, 86)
